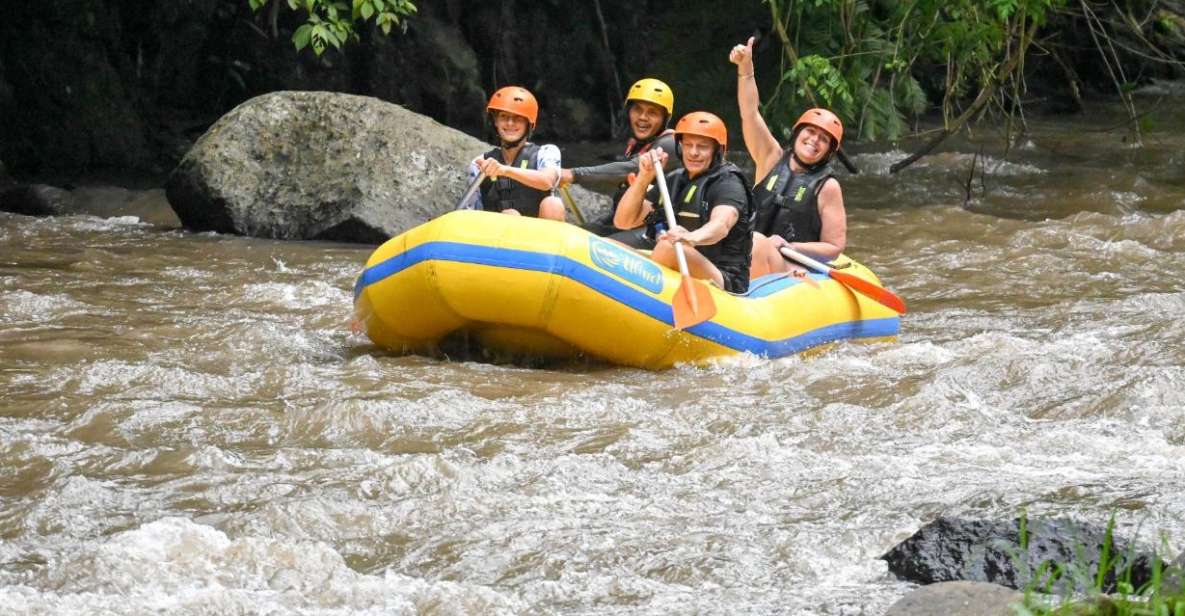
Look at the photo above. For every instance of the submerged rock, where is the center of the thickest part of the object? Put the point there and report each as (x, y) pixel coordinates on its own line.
(149, 206)
(950, 549)
(320, 165)
(37, 200)
(958, 599)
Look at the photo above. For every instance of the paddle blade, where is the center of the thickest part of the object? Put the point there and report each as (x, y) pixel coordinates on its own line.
(881, 295)
(692, 303)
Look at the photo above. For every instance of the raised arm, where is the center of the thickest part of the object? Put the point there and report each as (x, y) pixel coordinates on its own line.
(759, 141)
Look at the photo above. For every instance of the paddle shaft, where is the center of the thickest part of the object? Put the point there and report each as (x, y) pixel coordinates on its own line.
(473, 186)
(878, 294)
(670, 214)
(805, 260)
(571, 204)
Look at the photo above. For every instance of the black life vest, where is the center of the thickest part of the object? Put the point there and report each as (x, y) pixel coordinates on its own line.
(693, 211)
(635, 148)
(505, 193)
(787, 203)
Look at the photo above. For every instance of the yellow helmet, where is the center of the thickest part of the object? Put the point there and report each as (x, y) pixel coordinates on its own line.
(654, 91)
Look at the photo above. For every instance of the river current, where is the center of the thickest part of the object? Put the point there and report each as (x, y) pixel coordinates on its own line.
(188, 427)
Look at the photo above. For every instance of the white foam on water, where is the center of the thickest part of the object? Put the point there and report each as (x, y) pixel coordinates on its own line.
(97, 224)
(306, 294)
(22, 305)
(173, 565)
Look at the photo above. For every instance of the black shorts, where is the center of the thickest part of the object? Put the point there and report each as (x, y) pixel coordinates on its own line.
(735, 281)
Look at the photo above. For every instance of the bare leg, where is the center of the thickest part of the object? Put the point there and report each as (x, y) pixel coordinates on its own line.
(697, 265)
(512, 212)
(551, 208)
(764, 257)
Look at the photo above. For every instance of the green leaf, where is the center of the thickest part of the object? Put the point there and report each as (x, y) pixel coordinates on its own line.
(301, 37)
(367, 10)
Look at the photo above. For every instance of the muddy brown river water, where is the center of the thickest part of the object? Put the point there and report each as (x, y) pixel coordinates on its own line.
(187, 426)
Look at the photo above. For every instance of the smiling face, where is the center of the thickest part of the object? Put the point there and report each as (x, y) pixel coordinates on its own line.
(697, 153)
(646, 119)
(511, 127)
(812, 144)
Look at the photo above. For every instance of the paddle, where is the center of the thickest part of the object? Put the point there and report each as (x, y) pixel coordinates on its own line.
(879, 294)
(692, 302)
(571, 204)
(473, 186)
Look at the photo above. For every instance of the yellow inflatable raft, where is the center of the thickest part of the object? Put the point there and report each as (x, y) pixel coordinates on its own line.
(545, 288)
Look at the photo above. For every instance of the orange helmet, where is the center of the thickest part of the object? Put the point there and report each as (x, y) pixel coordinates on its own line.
(823, 120)
(516, 100)
(703, 124)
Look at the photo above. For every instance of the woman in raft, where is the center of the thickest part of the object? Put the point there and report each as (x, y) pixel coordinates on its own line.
(797, 200)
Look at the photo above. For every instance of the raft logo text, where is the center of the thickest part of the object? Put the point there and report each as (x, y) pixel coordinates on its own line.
(625, 264)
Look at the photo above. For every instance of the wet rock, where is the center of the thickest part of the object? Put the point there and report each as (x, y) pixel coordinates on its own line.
(950, 549)
(150, 206)
(958, 599)
(37, 200)
(321, 165)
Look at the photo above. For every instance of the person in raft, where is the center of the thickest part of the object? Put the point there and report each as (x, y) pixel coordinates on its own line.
(520, 175)
(797, 201)
(648, 108)
(712, 205)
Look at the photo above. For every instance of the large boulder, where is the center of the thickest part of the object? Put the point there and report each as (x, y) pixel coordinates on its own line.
(321, 165)
(951, 549)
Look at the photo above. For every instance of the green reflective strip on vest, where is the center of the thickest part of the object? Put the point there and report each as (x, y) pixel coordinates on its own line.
(690, 192)
(800, 193)
(524, 164)
(773, 179)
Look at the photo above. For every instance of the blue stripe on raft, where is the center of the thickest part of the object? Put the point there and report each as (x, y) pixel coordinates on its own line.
(625, 294)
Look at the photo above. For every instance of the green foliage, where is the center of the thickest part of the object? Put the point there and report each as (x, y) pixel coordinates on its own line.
(869, 60)
(333, 22)
(1152, 599)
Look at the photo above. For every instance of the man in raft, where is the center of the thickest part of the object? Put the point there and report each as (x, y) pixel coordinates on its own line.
(520, 176)
(712, 205)
(648, 107)
(797, 200)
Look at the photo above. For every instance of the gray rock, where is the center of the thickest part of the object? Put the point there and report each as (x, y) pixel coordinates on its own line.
(320, 165)
(149, 206)
(958, 599)
(951, 549)
(37, 200)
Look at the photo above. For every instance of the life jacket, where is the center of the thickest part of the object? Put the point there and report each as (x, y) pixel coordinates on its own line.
(504, 193)
(693, 211)
(787, 203)
(635, 148)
